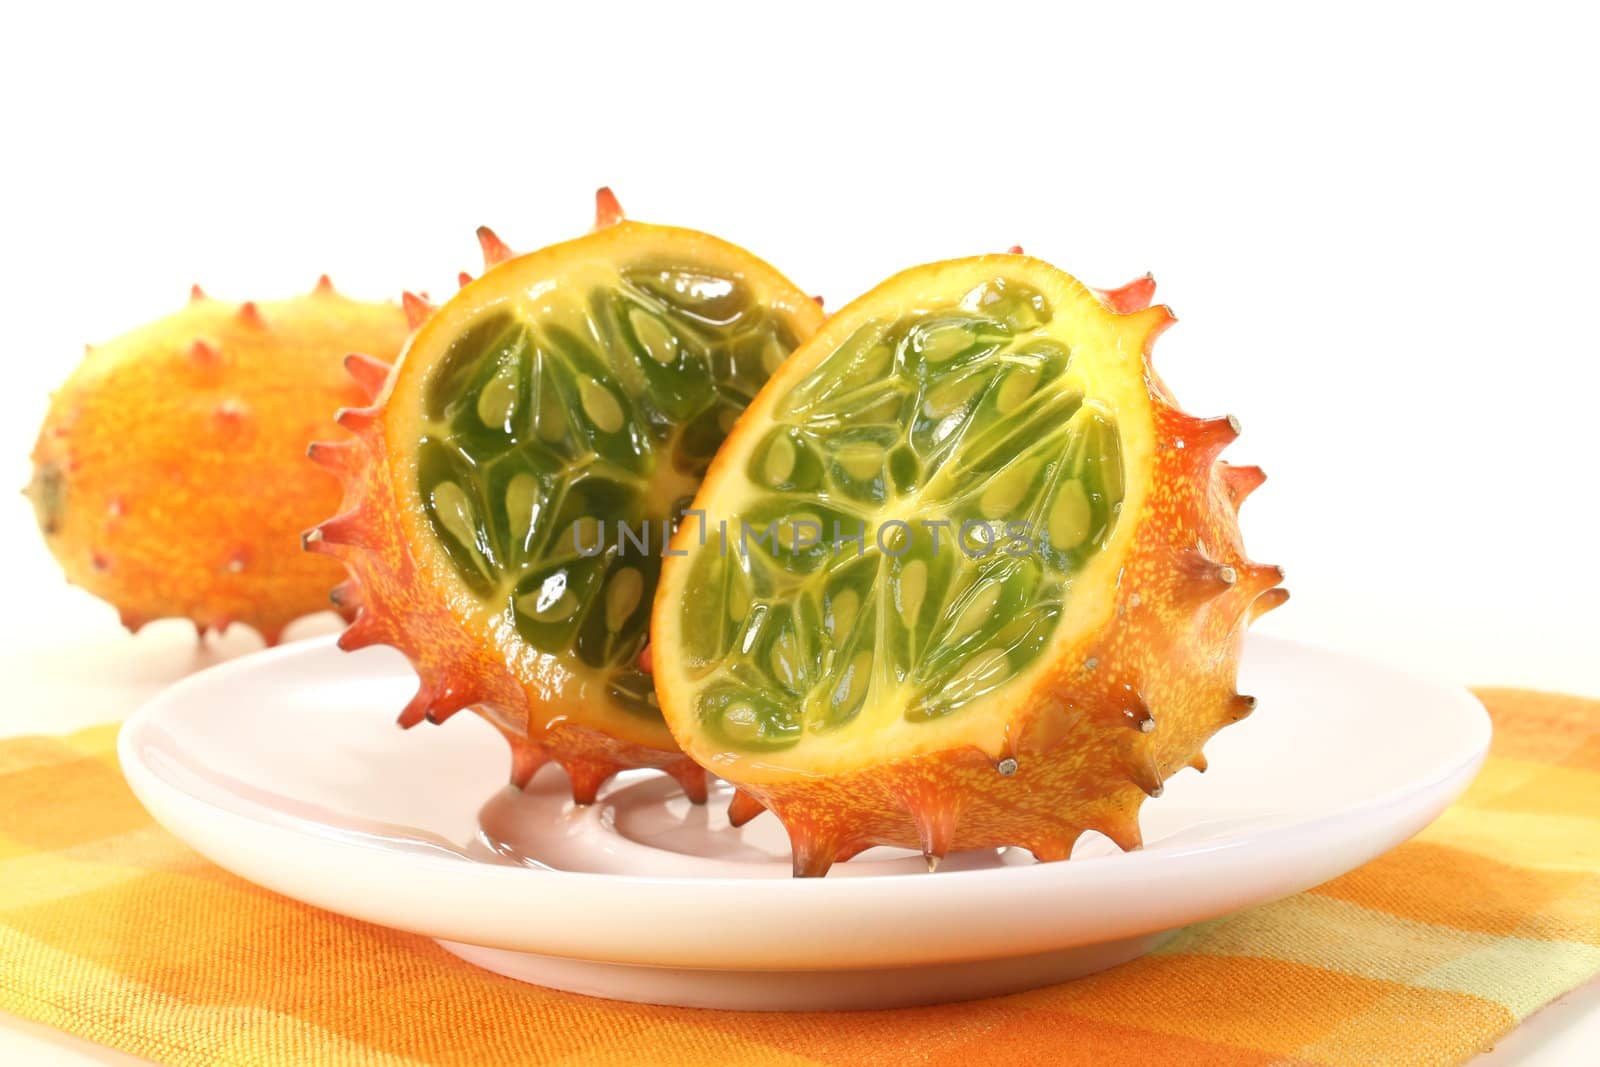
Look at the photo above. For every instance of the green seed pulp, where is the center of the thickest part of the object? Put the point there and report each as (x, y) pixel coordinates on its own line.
(543, 435)
(954, 416)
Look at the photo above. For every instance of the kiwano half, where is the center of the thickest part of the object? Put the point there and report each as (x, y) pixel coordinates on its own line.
(963, 575)
(562, 393)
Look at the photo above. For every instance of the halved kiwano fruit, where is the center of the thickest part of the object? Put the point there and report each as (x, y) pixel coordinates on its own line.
(966, 576)
(508, 498)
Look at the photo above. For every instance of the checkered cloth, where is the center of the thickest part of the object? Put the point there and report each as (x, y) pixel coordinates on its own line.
(112, 930)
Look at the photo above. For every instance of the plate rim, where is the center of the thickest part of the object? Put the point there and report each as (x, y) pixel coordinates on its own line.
(1420, 800)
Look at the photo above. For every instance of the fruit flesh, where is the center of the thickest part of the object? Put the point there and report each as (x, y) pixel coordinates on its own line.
(170, 476)
(1008, 700)
(966, 450)
(563, 392)
(563, 436)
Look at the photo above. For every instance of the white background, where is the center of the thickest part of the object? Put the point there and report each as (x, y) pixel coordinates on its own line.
(1378, 228)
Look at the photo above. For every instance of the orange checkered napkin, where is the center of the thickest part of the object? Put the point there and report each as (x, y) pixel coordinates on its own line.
(112, 930)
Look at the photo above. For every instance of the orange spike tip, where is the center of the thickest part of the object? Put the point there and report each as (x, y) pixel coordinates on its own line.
(1130, 298)
(361, 633)
(1241, 481)
(1014, 250)
(1272, 598)
(203, 352)
(250, 314)
(348, 528)
(417, 709)
(495, 251)
(692, 777)
(196, 294)
(526, 759)
(369, 373)
(587, 776)
(743, 807)
(607, 210)
(355, 419)
(346, 596)
(463, 280)
(813, 853)
(417, 309)
(324, 285)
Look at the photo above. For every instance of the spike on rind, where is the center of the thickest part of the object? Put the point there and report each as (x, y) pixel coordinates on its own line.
(197, 294)
(250, 314)
(935, 815)
(1240, 482)
(1130, 298)
(495, 251)
(336, 456)
(1199, 762)
(1204, 577)
(607, 210)
(346, 598)
(743, 807)
(417, 310)
(1146, 774)
(1123, 832)
(814, 854)
(1257, 578)
(347, 528)
(692, 777)
(1014, 250)
(526, 759)
(463, 279)
(203, 353)
(1053, 849)
(356, 419)
(324, 286)
(370, 374)
(587, 776)
(363, 632)
(1267, 601)
(1207, 437)
(417, 708)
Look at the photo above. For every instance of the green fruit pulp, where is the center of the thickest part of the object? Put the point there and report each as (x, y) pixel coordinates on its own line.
(914, 517)
(549, 422)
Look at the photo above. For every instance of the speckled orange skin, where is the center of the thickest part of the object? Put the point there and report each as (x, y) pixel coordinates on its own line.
(170, 476)
(397, 602)
(1113, 717)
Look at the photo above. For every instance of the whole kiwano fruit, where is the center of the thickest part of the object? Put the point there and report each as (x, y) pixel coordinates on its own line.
(170, 477)
(509, 492)
(964, 577)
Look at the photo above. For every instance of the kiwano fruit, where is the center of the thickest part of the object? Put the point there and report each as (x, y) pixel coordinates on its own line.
(170, 476)
(507, 495)
(967, 576)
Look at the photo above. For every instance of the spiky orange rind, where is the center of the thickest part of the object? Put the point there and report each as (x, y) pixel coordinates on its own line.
(170, 476)
(560, 392)
(896, 694)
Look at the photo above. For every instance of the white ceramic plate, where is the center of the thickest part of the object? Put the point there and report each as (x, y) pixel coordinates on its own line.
(286, 768)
